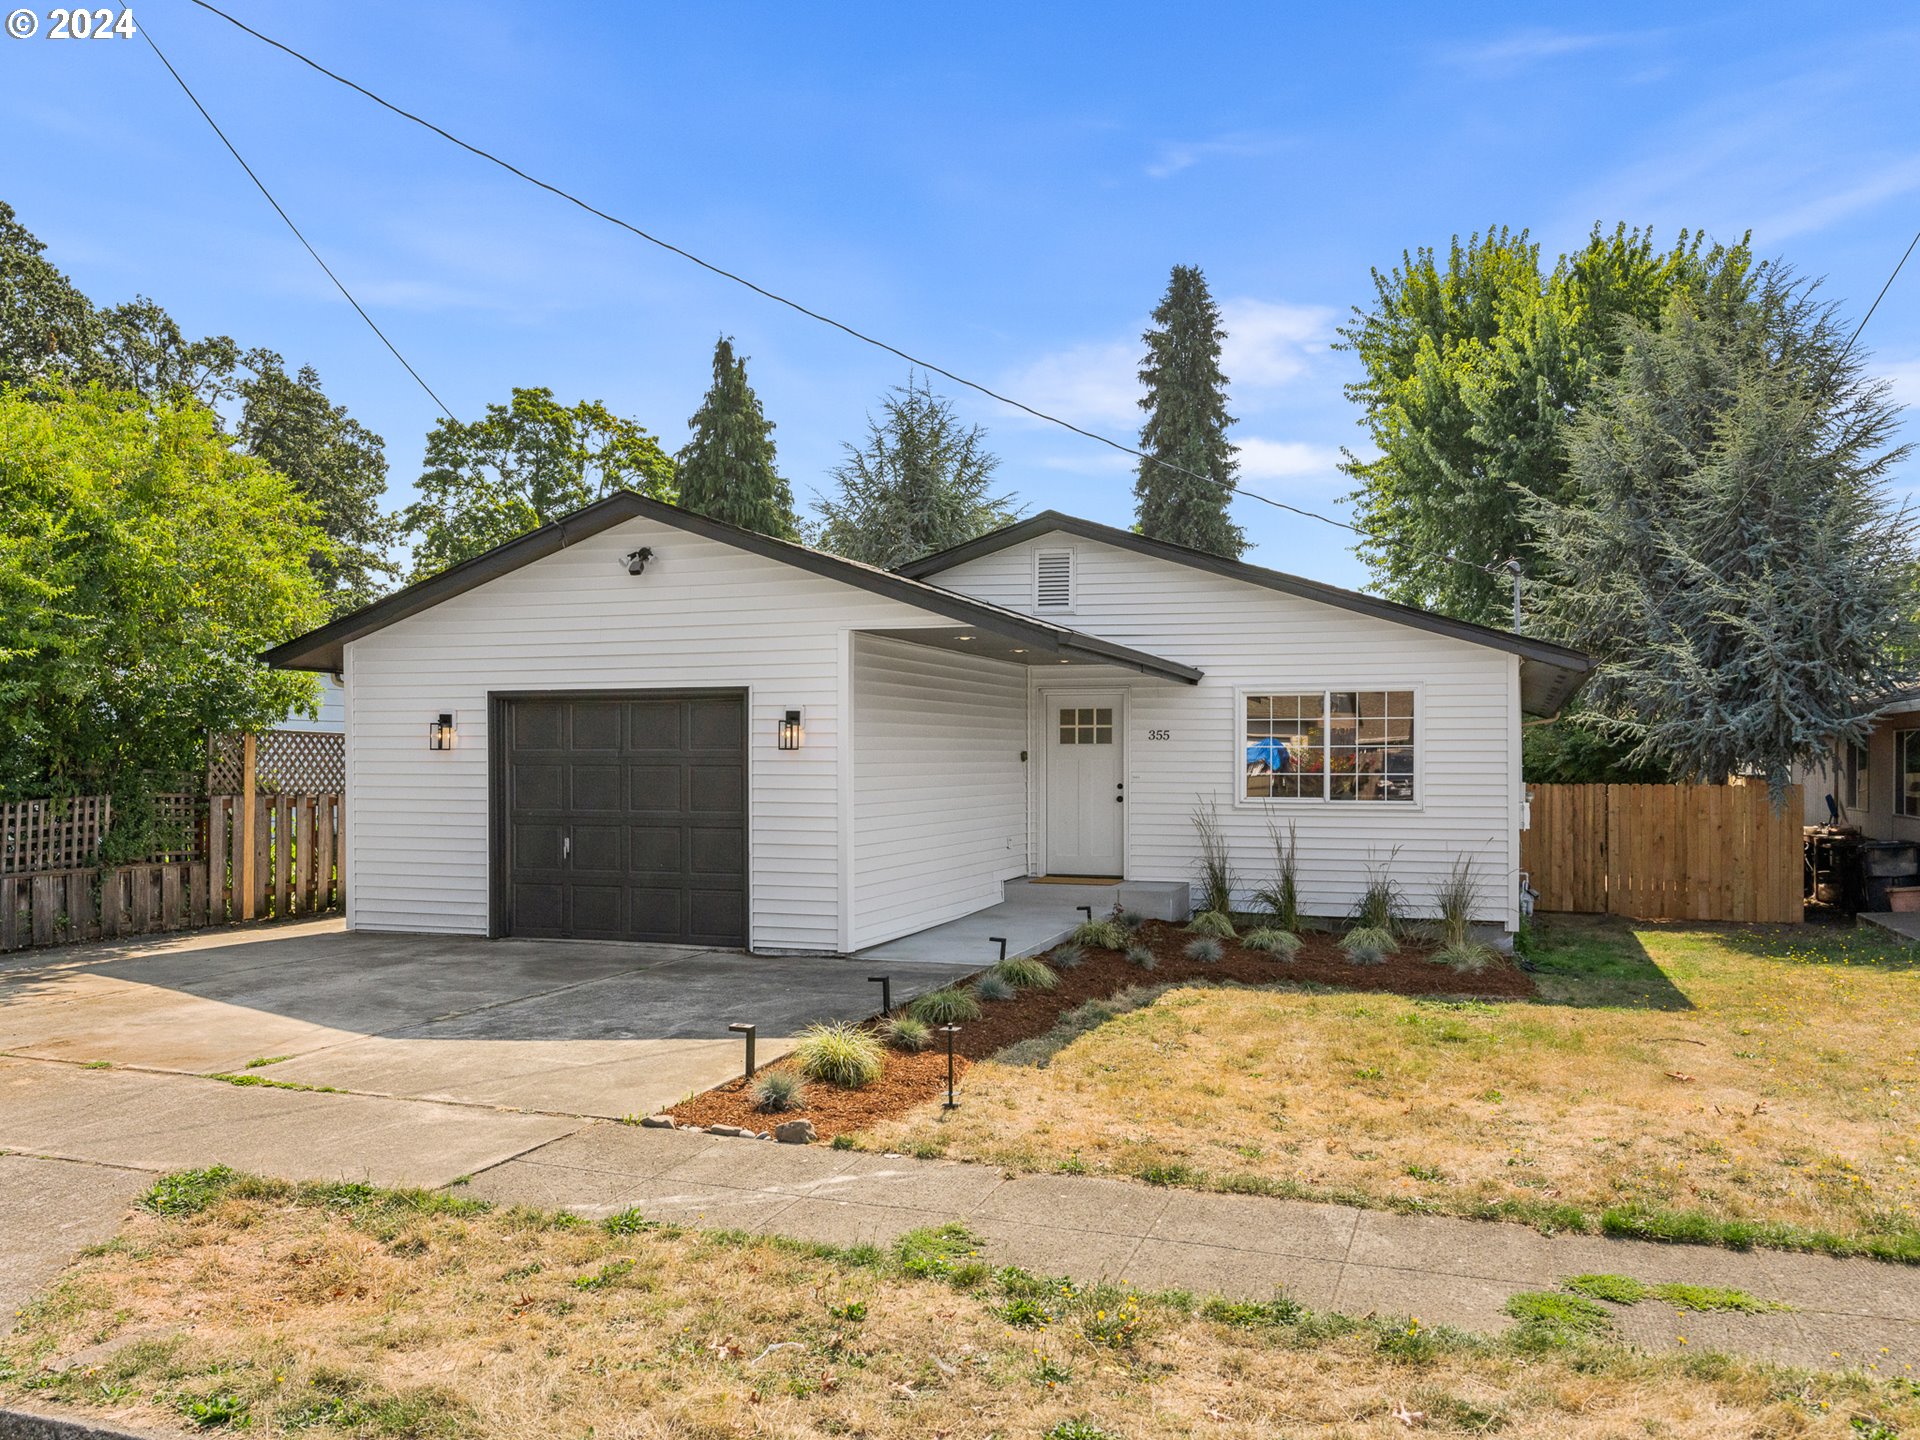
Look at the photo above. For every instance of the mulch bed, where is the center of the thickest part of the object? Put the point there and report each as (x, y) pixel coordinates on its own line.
(910, 1081)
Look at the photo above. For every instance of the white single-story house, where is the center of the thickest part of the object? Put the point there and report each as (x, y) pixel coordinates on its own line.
(638, 723)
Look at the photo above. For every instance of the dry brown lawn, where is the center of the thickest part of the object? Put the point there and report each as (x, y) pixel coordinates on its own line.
(1739, 1075)
(345, 1313)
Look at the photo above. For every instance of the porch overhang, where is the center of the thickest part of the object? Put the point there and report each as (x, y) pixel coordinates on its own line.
(1020, 642)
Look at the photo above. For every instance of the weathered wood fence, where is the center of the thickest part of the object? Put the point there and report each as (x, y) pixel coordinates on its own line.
(288, 862)
(1665, 852)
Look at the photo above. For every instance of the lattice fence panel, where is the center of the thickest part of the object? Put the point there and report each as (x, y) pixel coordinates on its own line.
(51, 834)
(286, 762)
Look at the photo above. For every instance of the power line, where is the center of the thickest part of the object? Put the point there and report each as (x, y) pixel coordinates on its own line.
(261, 187)
(778, 298)
(1883, 292)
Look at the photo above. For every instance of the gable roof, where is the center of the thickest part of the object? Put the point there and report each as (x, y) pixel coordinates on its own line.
(323, 649)
(1549, 673)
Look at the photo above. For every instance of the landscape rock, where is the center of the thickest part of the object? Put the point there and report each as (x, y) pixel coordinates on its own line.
(657, 1122)
(796, 1132)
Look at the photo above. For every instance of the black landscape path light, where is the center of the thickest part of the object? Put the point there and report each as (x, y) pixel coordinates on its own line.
(1086, 910)
(741, 1028)
(1001, 941)
(885, 982)
(950, 1031)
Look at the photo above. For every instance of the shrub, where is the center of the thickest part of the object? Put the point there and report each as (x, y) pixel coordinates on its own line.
(775, 1091)
(1101, 935)
(1216, 923)
(839, 1054)
(1024, 972)
(992, 987)
(950, 1006)
(1381, 903)
(1215, 870)
(1281, 944)
(1281, 895)
(1128, 919)
(1068, 957)
(1466, 958)
(1458, 897)
(1203, 950)
(1369, 944)
(904, 1032)
(1140, 957)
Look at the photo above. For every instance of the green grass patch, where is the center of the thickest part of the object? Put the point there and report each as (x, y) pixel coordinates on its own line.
(259, 1061)
(265, 1083)
(1550, 1320)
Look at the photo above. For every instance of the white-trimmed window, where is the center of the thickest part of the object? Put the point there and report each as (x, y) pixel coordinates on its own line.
(1053, 581)
(1906, 772)
(1334, 745)
(1856, 784)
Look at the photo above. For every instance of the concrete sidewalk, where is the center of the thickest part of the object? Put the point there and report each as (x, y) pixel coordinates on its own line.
(1329, 1257)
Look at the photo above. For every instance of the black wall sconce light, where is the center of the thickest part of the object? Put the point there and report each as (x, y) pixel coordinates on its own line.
(792, 731)
(441, 734)
(636, 560)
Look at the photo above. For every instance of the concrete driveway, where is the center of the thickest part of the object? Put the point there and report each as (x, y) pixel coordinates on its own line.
(549, 1027)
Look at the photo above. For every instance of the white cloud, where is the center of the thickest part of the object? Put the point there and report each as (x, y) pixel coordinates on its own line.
(1269, 344)
(1263, 459)
(1525, 48)
(1177, 155)
(1091, 383)
(1904, 376)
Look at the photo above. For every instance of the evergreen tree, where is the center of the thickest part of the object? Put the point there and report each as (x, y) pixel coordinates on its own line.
(1726, 548)
(726, 469)
(1184, 499)
(919, 484)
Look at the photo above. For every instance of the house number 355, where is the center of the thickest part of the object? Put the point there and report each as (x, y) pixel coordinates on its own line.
(1159, 734)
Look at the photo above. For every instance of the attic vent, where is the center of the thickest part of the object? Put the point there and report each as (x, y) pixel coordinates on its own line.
(1053, 580)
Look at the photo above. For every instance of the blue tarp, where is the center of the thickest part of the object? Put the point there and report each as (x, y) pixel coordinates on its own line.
(1272, 753)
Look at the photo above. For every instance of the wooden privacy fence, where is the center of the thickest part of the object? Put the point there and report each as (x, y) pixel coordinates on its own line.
(1665, 852)
(290, 861)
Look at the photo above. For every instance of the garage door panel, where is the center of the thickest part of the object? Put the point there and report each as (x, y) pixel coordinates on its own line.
(656, 913)
(539, 786)
(714, 916)
(715, 789)
(656, 789)
(594, 788)
(539, 725)
(715, 725)
(656, 851)
(626, 818)
(599, 849)
(599, 911)
(716, 855)
(540, 908)
(539, 845)
(656, 725)
(597, 725)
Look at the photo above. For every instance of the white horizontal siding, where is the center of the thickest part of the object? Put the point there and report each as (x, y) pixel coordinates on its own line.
(939, 789)
(704, 615)
(1244, 636)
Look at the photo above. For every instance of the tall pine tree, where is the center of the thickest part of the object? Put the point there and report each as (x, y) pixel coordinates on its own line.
(922, 482)
(726, 469)
(1183, 490)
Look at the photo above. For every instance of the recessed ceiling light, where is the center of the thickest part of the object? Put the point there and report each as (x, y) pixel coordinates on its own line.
(1018, 651)
(963, 637)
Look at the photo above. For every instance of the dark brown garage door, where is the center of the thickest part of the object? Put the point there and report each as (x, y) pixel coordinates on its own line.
(626, 818)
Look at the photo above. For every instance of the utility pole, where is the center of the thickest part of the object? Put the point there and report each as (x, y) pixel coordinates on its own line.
(1513, 569)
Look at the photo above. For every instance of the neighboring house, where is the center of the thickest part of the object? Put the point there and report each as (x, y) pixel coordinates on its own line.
(332, 719)
(665, 728)
(1876, 785)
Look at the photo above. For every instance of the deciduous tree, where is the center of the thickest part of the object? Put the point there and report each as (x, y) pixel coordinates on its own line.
(519, 466)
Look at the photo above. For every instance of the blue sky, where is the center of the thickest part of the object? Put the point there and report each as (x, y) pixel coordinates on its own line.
(1000, 188)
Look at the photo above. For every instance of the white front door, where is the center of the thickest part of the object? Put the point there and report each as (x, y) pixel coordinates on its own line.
(1086, 813)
